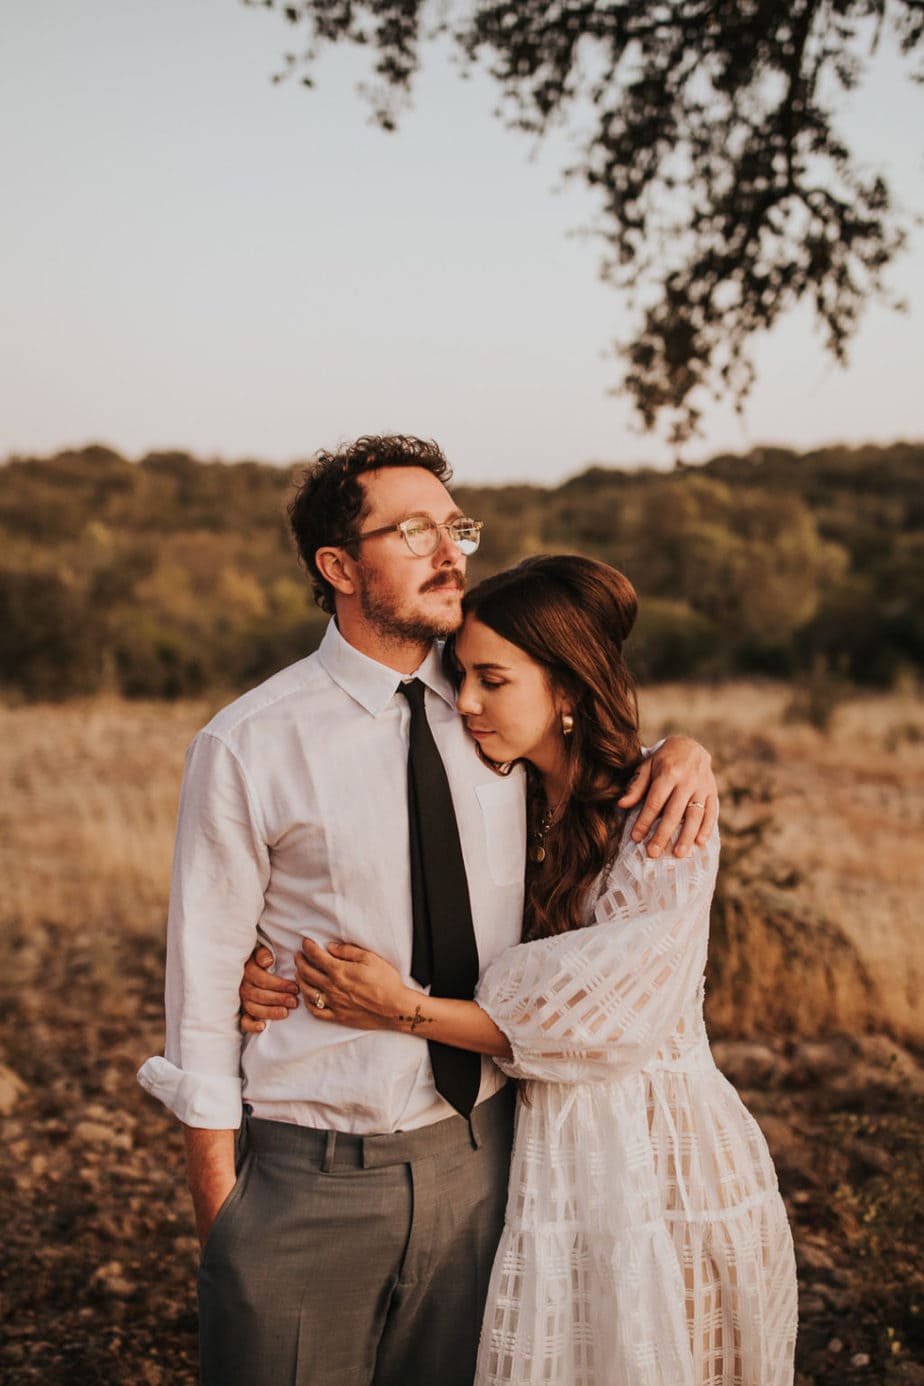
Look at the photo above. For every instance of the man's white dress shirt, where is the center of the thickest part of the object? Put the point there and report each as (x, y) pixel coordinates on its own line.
(293, 821)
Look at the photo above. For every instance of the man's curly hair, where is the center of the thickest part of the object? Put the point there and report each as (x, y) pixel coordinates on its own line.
(330, 501)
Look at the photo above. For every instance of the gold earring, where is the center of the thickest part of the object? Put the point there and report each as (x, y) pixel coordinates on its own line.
(567, 724)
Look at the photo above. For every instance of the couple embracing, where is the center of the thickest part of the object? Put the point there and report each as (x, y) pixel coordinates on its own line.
(463, 868)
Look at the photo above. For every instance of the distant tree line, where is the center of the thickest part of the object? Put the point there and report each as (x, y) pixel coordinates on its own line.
(171, 577)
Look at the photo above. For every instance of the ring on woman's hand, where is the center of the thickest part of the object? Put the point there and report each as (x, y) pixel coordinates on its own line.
(319, 1001)
(695, 803)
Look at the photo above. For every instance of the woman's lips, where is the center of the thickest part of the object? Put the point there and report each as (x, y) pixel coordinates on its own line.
(478, 733)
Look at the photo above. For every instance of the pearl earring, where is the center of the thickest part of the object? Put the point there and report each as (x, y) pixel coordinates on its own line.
(567, 724)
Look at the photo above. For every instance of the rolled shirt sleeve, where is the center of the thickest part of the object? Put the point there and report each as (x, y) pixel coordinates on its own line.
(220, 873)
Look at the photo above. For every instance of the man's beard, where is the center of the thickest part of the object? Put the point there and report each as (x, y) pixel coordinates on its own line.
(378, 609)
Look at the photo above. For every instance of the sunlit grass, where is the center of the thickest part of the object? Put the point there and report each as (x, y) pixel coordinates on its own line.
(818, 915)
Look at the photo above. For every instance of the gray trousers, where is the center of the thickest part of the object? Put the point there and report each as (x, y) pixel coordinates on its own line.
(341, 1260)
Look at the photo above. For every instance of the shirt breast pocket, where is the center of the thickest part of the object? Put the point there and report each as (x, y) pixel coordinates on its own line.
(504, 815)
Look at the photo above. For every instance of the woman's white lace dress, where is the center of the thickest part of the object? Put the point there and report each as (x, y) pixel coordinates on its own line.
(645, 1243)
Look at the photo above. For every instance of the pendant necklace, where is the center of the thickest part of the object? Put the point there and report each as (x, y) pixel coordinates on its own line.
(537, 850)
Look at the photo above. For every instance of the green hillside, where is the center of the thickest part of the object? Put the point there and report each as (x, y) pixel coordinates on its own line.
(170, 576)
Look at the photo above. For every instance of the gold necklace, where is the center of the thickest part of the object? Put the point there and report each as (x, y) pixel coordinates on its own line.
(537, 850)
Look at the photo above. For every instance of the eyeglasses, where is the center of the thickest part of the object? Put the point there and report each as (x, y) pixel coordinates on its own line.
(422, 535)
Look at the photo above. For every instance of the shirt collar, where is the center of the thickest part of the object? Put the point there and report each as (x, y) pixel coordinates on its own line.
(371, 684)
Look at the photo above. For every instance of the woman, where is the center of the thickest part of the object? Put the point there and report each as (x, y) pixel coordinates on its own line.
(645, 1240)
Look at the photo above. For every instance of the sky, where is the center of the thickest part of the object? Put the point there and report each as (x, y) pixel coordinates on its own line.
(192, 257)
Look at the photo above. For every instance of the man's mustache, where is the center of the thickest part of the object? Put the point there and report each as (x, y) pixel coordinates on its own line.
(452, 578)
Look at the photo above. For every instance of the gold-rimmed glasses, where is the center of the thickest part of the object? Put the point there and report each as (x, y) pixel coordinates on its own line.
(422, 535)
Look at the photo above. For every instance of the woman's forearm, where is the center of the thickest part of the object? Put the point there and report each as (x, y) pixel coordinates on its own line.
(346, 985)
(461, 1024)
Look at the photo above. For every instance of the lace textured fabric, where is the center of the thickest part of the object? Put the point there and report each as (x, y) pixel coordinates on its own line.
(646, 1243)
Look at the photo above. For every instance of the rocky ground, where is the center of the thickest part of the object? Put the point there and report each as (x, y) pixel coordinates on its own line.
(99, 1257)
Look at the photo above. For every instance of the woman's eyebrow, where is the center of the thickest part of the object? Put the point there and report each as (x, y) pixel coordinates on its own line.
(504, 668)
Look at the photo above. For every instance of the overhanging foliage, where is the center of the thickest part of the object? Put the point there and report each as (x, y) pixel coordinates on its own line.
(726, 193)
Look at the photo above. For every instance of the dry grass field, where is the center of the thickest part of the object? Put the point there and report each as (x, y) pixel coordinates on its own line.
(839, 853)
(814, 1000)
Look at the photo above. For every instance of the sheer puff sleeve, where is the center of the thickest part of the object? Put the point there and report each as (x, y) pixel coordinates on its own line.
(599, 1002)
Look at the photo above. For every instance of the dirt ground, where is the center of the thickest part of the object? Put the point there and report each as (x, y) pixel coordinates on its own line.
(99, 1258)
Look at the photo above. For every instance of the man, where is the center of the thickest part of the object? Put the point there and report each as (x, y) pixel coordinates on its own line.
(349, 1236)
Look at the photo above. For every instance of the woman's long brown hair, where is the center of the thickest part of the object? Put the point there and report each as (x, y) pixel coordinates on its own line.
(571, 615)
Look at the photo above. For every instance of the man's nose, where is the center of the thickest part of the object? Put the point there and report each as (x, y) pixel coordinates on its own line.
(448, 551)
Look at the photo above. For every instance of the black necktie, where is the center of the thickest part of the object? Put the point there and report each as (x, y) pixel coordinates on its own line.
(445, 955)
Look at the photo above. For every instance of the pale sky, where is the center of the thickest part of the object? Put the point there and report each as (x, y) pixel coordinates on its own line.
(194, 258)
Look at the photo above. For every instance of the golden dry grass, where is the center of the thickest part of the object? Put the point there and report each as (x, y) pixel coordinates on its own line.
(828, 904)
(91, 788)
(86, 823)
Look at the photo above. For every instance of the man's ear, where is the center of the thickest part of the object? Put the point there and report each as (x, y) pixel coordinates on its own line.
(337, 567)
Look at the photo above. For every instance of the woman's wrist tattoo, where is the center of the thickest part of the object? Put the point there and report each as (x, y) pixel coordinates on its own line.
(416, 1020)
